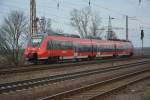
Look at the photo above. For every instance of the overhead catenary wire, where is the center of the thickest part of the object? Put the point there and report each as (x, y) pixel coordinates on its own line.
(70, 4)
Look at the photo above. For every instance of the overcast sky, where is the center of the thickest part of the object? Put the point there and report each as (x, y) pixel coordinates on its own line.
(114, 8)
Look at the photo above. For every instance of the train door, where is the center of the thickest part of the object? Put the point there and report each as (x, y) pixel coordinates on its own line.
(93, 49)
(115, 47)
(50, 48)
(76, 49)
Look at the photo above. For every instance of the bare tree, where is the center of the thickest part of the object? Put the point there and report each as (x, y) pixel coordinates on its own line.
(85, 22)
(95, 20)
(140, 2)
(44, 25)
(59, 30)
(112, 35)
(12, 28)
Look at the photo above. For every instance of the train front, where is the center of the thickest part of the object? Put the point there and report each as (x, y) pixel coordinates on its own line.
(34, 49)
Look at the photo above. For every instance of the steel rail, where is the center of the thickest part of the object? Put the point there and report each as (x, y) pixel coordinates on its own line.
(123, 85)
(26, 68)
(67, 94)
(18, 85)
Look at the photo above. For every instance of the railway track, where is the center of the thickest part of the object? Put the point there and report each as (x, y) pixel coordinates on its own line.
(96, 90)
(27, 68)
(18, 85)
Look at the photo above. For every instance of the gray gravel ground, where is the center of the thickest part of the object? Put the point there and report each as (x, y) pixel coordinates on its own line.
(42, 91)
(44, 73)
(136, 91)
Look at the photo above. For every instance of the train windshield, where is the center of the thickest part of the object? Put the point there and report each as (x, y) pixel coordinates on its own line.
(36, 42)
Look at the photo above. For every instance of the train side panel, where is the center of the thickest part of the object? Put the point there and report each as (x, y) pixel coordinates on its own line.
(60, 47)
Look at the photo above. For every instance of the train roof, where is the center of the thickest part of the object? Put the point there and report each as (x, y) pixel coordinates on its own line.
(52, 33)
(63, 34)
(120, 40)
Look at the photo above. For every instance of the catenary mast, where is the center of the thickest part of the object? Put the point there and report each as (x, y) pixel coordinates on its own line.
(33, 19)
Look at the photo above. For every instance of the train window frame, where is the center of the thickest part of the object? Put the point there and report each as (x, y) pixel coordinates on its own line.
(49, 45)
(75, 46)
(63, 45)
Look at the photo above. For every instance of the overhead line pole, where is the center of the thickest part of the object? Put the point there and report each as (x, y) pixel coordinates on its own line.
(33, 19)
(109, 28)
(126, 27)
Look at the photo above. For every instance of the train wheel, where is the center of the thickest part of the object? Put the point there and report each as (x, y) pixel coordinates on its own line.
(46, 61)
(131, 54)
(76, 59)
(89, 58)
(35, 62)
(114, 56)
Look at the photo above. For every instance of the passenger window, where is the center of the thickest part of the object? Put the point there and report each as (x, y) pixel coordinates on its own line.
(62, 45)
(49, 45)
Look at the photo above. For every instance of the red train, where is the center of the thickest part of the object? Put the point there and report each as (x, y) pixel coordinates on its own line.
(55, 48)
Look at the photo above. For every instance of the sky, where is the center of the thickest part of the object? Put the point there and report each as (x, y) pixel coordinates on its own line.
(139, 16)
